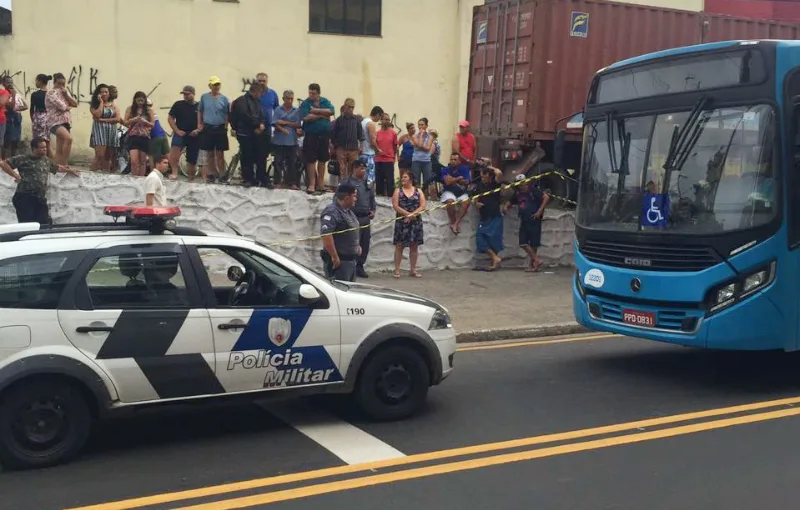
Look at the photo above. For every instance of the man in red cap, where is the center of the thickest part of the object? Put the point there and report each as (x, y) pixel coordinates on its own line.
(463, 144)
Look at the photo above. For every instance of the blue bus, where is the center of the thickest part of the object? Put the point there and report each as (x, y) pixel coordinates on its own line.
(688, 214)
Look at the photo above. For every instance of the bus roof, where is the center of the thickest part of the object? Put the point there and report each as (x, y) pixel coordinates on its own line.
(689, 49)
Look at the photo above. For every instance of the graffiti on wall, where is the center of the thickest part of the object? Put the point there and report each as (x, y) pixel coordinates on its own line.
(81, 81)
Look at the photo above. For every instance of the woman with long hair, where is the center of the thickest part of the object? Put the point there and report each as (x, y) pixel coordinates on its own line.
(59, 102)
(39, 111)
(105, 117)
(408, 202)
(139, 120)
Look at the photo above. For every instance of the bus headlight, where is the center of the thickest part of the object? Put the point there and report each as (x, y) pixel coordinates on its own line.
(730, 292)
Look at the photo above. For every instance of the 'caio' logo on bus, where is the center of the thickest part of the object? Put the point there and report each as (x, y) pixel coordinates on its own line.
(630, 261)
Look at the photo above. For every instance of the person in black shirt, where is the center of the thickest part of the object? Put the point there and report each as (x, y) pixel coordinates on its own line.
(489, 237)
(248, 122)
(183, 121)
(531, 202)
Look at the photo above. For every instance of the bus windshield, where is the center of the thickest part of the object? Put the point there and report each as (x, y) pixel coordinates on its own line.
(692, 172)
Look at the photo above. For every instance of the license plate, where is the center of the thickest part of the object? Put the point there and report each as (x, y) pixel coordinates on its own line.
(639, 318)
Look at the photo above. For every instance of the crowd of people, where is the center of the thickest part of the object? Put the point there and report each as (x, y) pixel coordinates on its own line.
(362, 150)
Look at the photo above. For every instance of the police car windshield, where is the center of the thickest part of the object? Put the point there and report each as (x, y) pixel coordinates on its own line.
(723, 178)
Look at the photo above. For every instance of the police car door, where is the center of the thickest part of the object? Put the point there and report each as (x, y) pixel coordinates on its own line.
(266, 335)
(139, 315)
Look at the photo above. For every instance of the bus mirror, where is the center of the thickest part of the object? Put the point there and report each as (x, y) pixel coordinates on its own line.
(558, 149)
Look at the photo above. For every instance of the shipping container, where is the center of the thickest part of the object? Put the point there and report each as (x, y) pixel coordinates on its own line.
(778, 10)
(532, 61)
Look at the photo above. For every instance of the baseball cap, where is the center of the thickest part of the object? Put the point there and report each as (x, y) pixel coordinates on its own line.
(214, 80)
(463, 123)
(187, 89)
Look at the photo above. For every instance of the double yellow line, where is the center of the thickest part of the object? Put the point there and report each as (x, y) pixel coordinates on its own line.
(429, 464)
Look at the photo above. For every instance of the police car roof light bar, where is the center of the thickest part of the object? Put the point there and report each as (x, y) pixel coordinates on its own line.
(155, 219)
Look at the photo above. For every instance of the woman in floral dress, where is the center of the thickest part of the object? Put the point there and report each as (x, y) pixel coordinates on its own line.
(408, 202)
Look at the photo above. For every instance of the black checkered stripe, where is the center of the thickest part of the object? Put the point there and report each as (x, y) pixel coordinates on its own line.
(146, 336)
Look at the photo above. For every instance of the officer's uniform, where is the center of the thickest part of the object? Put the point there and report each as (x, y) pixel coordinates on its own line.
(365, 205)
(335, 218)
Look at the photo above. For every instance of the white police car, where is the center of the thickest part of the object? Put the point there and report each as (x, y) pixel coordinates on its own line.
(99, 317)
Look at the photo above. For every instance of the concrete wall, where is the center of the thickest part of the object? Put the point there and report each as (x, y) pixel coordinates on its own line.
(283, 215)
(413, 70)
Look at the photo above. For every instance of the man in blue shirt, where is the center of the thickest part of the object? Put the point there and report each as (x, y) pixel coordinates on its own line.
(456, 178)
(212, 121)
(531, 202)
(286, 121)
(269, 101)
(316, 112)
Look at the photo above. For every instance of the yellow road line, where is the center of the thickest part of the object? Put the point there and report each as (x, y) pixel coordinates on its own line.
(170, 497)
(465, 465)
(535, 342)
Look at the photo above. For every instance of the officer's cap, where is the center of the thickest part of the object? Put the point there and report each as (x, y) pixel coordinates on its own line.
(345, 188)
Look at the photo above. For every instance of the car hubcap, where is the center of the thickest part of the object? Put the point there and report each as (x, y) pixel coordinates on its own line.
(40, 425)
(394, 383)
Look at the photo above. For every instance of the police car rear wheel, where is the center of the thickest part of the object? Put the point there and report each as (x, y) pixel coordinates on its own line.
(393, 384)
(42, 423)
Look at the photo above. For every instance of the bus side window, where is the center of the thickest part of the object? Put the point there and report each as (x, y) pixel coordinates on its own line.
(793, 168)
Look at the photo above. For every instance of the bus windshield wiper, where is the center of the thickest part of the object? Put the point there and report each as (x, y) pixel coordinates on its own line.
(683, 142)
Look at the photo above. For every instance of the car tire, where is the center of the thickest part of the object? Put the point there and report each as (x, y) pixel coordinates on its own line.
(393, 383)
(42, 423)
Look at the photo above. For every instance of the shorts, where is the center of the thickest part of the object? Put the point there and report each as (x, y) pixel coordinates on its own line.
(315, 148)
(530, 233)
(192, 145)
(449, 195)
(53, 129)
(214, 138)
(158, 147)
(139, 143)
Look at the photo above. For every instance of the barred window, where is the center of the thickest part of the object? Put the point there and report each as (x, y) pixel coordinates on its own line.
(345, 17)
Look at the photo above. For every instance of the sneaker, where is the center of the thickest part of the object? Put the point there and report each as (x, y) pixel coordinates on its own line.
(361, 273)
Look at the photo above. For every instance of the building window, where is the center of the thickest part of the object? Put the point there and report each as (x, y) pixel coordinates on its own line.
(5, 17)
(345, 17)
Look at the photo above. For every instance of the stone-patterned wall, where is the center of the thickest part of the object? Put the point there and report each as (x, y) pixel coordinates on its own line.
(282, 215)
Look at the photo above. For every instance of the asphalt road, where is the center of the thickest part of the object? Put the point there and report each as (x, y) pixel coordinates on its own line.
(572, 423)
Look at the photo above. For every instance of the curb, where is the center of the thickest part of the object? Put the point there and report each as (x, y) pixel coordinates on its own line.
(513, 333)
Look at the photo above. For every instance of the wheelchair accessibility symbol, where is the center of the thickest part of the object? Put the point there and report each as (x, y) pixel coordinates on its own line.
(655, 210)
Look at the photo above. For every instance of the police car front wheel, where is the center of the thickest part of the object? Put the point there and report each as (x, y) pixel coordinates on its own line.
(393, 383)
(42, 423)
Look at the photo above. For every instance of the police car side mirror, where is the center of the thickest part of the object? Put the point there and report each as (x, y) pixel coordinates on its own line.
(309, 294)
(235, 273)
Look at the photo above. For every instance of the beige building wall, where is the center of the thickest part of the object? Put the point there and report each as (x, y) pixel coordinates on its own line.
(157, 46)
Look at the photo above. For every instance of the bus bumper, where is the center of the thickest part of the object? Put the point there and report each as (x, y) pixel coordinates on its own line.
(764, 328)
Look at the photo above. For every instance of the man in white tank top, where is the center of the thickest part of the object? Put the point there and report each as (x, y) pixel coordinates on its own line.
(369, 148)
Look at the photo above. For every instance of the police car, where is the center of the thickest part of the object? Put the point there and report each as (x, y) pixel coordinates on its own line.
(138, 310)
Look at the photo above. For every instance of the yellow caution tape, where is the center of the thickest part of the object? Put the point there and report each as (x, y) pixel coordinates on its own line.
(430, 210)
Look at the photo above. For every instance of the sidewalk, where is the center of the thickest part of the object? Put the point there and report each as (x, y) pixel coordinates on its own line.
(504, 304)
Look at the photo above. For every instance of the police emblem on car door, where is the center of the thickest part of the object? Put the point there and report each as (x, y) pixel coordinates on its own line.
(266, 334)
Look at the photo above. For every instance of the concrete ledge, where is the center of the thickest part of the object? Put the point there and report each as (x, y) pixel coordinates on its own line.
(517, 332)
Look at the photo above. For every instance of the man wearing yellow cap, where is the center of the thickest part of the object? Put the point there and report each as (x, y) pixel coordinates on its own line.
(212, 121)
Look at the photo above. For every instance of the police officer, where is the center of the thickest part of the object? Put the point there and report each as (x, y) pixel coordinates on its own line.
(340, 250)
(364, 210)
